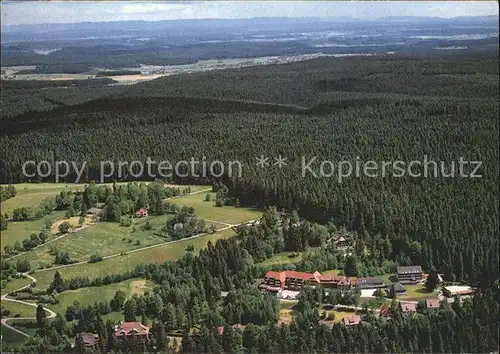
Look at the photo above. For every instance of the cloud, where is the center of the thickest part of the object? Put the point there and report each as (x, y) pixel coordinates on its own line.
(68, 11)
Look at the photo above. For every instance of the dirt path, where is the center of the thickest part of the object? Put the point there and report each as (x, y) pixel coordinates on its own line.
(5, 298)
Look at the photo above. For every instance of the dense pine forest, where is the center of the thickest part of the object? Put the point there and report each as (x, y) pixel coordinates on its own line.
(381, 109)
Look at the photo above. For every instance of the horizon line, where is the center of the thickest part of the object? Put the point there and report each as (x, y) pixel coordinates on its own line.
(254, 18)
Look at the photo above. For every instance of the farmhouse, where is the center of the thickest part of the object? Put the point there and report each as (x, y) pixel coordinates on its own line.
(87, 340)
(409, 274)
(457, 290)
(131, 329)
(370, 283)
(141, 213)
(351, 320)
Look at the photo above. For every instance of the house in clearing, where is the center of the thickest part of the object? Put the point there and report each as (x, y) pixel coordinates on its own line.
(351, 320)
(126, 330)
(409, 274)
(87, 340)
(141, 213)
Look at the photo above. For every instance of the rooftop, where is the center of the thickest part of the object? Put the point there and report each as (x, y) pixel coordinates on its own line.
(131, 328)
(432, 303)
(351, 320)
(409, 269)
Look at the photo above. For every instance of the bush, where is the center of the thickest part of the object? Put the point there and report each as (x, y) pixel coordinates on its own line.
(95, 259)
(125, 221)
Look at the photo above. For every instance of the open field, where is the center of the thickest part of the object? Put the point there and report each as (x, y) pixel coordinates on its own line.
(128, 262)
(88, 296)
(103, 238)
(207, 210)
(15, 284)
(19, 230)
(18, 309)
(282, 259)
(31, 194)
(11, 339)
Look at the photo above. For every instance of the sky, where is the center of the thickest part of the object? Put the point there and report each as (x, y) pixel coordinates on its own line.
(33, 12)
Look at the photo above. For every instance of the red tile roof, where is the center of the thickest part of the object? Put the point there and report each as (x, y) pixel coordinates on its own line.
(385, 311)
(131, 328)
(408, 307)
(282, 276)
(432, 303)
(351, 320)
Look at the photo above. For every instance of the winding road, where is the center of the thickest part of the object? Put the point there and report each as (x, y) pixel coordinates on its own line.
(5, 298)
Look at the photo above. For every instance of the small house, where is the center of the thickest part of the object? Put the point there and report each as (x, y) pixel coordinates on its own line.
(432, 304)
(141, 213)
(408, 307)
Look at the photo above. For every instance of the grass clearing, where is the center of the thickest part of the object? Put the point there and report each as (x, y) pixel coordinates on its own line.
(88, 296)
(16, 308)
(14, 284)
(31, 194)
(128, 262)
(282, 259)
(19, 230)
(418, 292)
(208, 210)
(11, 339)
(103, 238)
